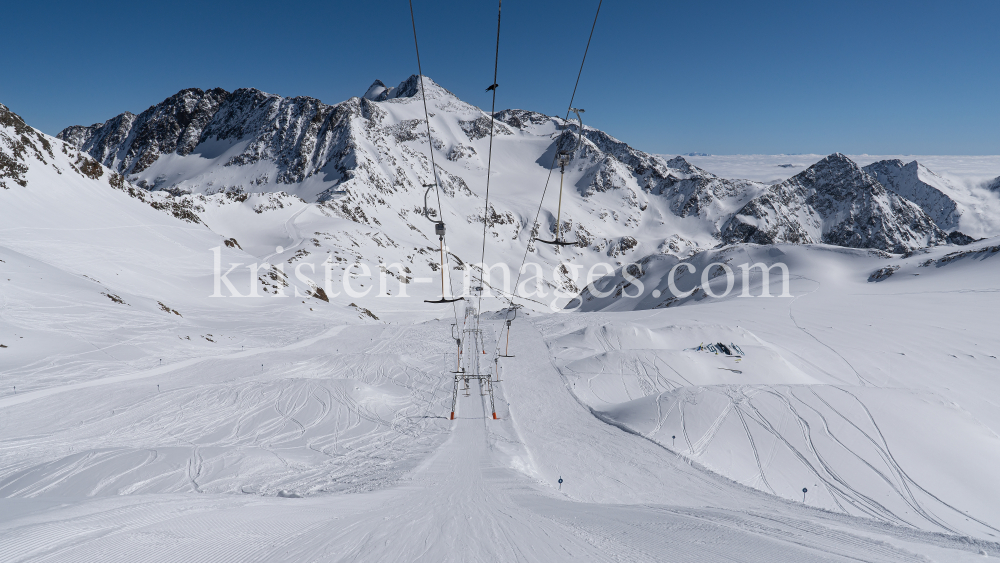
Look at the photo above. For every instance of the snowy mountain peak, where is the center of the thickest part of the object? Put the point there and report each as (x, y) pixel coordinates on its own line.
(834, 169)
(11, 119)
(680, 164)
(367, 159)
(376, 90)
(409, 88)
(131, 143)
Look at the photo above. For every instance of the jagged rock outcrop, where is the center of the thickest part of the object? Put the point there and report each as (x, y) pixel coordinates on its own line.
(836, 202)
(961, 239)
(131, 143)
(908, 181)
(16, 139)
(379, 92)
(260, 140)
(290, 132)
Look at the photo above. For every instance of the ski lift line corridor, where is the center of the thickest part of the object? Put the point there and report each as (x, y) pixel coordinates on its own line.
(472, 367)
(545, 189)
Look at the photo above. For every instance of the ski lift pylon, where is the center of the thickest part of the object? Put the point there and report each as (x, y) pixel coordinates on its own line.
(563, 158)
(506, 350)
(439, 230)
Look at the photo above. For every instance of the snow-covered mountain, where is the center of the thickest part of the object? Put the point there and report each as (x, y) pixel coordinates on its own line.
(836, 202)
(348, 180)
(365, 160)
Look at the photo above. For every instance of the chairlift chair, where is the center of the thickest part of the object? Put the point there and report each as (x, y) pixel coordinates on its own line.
(563, 159)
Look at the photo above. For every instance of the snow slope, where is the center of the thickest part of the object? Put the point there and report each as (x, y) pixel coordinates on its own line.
(484, 490)
(115, 271)
(874, 370)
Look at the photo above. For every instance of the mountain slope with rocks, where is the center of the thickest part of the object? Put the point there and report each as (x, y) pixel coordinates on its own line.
(915, 182)
(994, 185)
(835, 202)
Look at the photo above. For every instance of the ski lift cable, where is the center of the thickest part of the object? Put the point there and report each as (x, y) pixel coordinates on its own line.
(439, 225)
(510, 299)
(427, 121)
(580, 73)
(489, 157)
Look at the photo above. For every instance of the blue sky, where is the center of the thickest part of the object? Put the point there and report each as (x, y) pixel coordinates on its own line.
(721, 77)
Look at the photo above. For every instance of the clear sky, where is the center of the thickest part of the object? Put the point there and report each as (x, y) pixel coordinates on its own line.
(721, 77)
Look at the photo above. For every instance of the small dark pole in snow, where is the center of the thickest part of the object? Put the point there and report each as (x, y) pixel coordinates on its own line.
(673, 441)
(560, 482)
(804, 491)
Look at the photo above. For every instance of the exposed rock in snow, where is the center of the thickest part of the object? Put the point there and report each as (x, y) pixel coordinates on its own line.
(882, 273)
(960, 238)
(131, 143)
(24, 150)
(695, 192)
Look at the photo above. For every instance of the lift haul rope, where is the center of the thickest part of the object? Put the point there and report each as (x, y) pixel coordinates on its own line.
(569, 108)
(489, 160)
